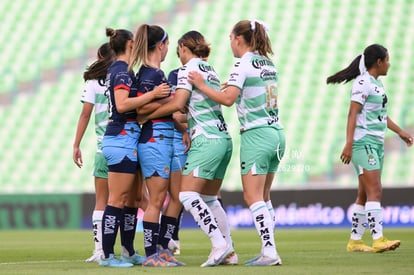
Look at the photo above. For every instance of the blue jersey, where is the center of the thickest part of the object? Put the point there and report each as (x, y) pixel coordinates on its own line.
(147, 79)
(172, 79)
(117, 78)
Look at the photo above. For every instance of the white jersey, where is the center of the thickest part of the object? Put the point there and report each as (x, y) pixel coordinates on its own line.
(256, 77)
(204, 115)
(94, 93)
(372, 119)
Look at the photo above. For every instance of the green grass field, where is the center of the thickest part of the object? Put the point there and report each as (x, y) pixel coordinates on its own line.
(303, 251)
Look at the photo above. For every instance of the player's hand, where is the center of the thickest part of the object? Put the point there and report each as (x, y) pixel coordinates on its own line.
(346, 155)
(162, 90)
(77, 157)
(406, 137)
(186, 141)
(195, 78)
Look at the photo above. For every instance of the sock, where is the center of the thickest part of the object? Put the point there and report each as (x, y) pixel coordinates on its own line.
(97, 229)
(359, 220)
(271, 211)
(151, 231)
(264, 225)
(203, 216)
(374, 217)
(175, 236)
(167, 228)
(110, 224)
(221, 217)
(128, 226)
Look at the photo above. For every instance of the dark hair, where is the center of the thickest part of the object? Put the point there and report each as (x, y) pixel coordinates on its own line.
(371, 55)
(196, 43)
(147, 37)
(98, 69)
(118, 39)
(254, 33)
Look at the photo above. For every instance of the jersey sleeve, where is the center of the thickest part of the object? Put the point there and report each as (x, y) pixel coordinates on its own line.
(122, 81)
(360, 91)
(88, 95)
(182, 79)
(237, 76)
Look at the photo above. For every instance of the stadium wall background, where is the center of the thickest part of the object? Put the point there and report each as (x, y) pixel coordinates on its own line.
(294, 208)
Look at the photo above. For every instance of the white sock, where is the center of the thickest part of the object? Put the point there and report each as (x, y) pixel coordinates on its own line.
(221, 217)
(374, 217)
(203, 216)
(359, 220)
(271, 211)
(97, 229)
(264, 225)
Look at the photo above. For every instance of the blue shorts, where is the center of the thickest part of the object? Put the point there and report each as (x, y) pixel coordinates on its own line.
(179, 157)
(155, 155)
(120, 150)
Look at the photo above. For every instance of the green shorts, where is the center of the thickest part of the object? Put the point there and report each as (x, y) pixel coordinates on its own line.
(261, 150)
(367, 156)
(100, 168)
(208, 158)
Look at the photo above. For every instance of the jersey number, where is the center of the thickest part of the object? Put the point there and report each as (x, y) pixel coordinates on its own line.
(271, 97)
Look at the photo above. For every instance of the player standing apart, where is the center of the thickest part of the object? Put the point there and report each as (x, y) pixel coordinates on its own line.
(253, 86)
(94, 99)
(364, 147)
(119, 147)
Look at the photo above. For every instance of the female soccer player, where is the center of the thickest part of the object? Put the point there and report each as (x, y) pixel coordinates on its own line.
(179, 157)
(119, 147)
(253, 85)
(210, 151)
(94, 98)
(364, 147)
(155, 143)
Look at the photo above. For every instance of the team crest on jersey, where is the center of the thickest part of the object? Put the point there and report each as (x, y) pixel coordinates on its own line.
(371, 160)
(167, 169)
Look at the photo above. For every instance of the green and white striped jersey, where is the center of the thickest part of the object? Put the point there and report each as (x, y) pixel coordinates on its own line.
(94, 93)
(372, 119)
(204, 115)
(256, 77)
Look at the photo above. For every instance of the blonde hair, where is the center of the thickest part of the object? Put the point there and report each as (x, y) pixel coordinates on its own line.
(147, 37)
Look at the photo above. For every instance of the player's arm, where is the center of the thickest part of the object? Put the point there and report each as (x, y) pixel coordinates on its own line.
(152, 106)
(354, 109)
(180, 123)
(405, 136)
(125, 103)
(177, 103)
(83, 122)
(227, 96)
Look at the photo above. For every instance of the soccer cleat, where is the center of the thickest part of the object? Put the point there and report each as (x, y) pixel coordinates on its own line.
(95, 257)
(253, 259)
(217, 256)
(156, 261)
(111, 261)
(358, 246)
(232, 259)
(135, 259)
(264, 261)
(174, 246)
(167, 256)
(382, 244)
